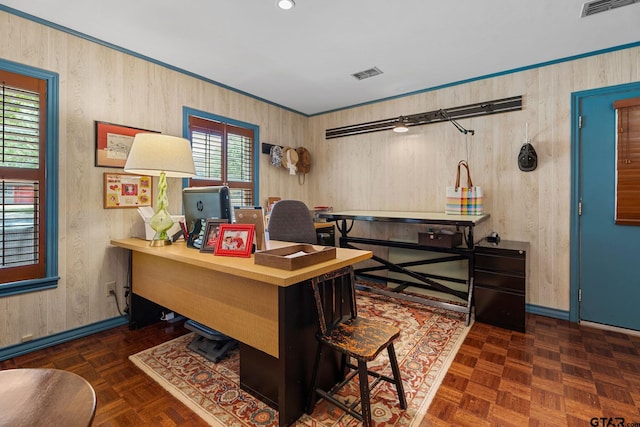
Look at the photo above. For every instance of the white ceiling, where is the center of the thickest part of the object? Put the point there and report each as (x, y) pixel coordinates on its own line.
(303, 59)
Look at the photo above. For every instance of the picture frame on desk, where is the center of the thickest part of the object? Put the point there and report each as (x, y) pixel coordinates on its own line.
(235, 240)
(210, 235)
(253, 215)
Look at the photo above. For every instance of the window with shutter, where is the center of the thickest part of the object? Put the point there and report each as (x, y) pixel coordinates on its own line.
(628, 162)
(27, 234)
(224, 154)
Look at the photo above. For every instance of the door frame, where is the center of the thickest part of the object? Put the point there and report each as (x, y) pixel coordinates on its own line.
(576, 189)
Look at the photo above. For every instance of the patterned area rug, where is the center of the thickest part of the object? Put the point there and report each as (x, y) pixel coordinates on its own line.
(428, 342)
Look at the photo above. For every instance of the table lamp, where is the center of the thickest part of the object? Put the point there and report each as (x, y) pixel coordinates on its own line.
(164, 156)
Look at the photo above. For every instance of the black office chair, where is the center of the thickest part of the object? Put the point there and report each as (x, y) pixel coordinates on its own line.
(291, 221)
(354, 338)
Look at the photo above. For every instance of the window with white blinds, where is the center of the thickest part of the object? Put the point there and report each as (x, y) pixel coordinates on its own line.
(628, 164)
(22, 176)
(224, 155)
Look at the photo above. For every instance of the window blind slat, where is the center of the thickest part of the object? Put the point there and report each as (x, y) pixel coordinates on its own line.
(224, 153)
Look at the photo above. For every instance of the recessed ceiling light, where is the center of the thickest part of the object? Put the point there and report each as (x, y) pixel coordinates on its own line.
(286, 4)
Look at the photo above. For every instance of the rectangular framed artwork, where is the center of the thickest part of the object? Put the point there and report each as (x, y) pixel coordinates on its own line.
(113, 143)
(123, 190)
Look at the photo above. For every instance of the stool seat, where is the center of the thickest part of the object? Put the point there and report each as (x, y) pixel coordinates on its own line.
(45, 397)
(360, 338)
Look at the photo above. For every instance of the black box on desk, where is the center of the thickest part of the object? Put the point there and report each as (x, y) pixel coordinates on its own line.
(440, 240)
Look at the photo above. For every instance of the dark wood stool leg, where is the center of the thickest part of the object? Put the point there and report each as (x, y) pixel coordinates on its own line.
(311, 403)
(343, 366)
(396, 376)
(365, 403)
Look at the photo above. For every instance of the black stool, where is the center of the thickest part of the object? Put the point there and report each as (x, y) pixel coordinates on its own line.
(353, 337)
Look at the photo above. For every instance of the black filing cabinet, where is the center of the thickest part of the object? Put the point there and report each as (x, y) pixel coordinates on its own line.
(500, 281)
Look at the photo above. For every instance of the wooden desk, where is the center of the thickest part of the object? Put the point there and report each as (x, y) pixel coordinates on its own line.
(422, 280)
(266, 309)
(45, 397)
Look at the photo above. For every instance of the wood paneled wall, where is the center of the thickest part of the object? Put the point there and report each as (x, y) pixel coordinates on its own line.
(375, 171)
(410, 171)
(99, 83)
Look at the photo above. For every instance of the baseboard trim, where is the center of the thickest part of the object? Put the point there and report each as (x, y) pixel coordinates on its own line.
(546, 311)
(61, 337)
(610, 328)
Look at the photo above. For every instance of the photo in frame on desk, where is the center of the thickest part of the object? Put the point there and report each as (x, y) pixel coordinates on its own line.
(210, 235)
(253, 215)
(235, 240)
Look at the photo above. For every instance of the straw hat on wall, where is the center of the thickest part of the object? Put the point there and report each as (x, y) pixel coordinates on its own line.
(290, 160)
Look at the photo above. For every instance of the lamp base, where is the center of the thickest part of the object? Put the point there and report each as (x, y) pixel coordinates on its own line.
(159, 243)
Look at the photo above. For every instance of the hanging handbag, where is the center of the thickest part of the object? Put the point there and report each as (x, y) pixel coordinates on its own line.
(464, 200)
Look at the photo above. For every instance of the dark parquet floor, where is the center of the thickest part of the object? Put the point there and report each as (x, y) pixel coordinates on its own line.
(557, 374)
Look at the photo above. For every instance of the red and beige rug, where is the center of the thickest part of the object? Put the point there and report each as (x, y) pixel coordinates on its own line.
(428, 342)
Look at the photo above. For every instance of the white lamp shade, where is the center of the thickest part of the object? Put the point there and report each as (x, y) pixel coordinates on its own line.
(154, 153)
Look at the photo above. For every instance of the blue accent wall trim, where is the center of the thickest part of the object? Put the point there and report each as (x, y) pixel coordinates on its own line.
(188, 111)
(548, 312)
(52, 141)
(489, 76)
(62, 337)
(132, 53)
(25, 286)
(460, 82)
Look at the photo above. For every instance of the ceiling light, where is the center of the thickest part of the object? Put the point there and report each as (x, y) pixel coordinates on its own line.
(286, 4)
(401, 126)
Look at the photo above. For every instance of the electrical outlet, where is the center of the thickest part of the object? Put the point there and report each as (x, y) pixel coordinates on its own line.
(110, 288)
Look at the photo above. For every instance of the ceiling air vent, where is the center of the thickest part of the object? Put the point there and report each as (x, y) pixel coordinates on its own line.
(598, 6)
(371, 72)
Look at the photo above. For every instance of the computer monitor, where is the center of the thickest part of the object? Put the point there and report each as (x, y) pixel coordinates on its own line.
(202, 203)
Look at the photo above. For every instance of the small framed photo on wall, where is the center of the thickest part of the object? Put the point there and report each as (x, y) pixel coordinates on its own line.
(124, 190)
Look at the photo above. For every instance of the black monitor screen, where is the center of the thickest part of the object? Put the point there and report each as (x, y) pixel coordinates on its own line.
(201, 203)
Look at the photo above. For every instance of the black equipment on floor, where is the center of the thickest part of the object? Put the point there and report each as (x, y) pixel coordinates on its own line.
(208, 342)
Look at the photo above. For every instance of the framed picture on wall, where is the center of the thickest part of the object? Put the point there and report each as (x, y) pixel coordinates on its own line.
(113, 143)
(124, 190)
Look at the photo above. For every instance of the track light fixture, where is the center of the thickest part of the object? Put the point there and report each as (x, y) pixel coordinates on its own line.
(401, 126)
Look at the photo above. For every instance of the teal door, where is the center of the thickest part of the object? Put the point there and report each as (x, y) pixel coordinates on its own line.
(609, 254)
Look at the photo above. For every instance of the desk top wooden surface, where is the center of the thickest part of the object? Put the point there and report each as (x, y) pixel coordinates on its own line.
(406, 216)
(245, 267)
